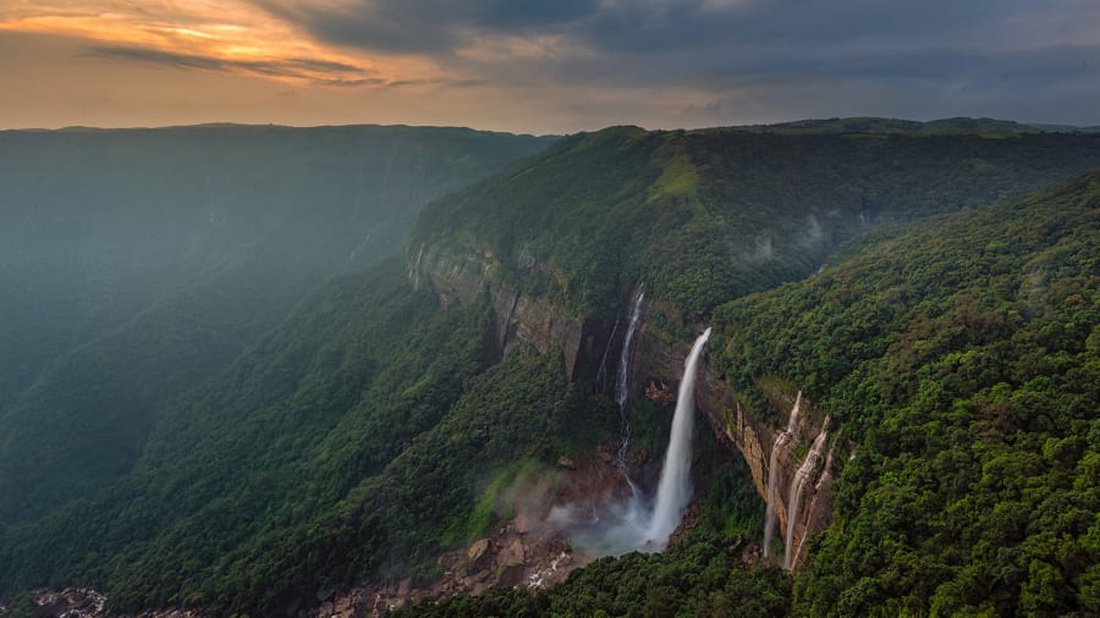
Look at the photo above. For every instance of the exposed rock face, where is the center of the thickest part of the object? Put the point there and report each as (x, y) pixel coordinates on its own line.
(656, 374)
(517, 317)
(662, 364)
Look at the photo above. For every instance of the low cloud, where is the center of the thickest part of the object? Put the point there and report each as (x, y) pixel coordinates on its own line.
(316, 71)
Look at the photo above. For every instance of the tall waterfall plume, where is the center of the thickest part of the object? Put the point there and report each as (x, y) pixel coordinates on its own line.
(639, 524)
(771, 519)
(798, 485)
(674, 489)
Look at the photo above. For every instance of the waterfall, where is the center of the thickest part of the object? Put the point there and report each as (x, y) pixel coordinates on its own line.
(825, 477)
(638, 524)
(622, 386)
(798, 484)
(771, 519)
(673, 490)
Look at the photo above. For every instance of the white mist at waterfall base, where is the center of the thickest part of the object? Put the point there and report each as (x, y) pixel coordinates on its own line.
(640, 524)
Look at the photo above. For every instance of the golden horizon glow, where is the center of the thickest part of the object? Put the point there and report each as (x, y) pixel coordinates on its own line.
(228, 36)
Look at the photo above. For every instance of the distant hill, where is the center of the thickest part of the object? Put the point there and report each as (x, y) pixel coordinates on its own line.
(945, 126)
(134, 264)
(1066, 128)
(709, 214)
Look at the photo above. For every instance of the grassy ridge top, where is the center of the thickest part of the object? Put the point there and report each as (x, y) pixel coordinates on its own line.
(705, 216)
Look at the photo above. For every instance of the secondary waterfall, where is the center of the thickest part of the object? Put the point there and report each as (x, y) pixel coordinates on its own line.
(798, 484)
(622, 380)
(825, 478)
(771, 519)
(622, 385)
(673, 491)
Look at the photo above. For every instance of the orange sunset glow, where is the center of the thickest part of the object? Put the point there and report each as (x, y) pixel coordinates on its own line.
(230, 36)
(534, 66)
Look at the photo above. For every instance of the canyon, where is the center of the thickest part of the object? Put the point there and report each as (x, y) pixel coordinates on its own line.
(801, 487)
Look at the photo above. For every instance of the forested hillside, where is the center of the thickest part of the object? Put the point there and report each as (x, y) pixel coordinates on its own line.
(959, 356)
(706, 216)
(962, 361)
(944, 322)
(136, 264)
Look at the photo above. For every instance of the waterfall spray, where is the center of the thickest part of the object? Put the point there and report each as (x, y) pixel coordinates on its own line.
(771, 518)
(798, 484)
(673, 491)
(632, 525)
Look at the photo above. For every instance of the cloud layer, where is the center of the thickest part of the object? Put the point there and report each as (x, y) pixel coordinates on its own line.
(579, 63)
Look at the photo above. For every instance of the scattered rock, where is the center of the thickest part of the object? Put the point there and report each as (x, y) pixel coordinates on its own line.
(479, 556)
(657, 390)
(604, 453)
(567, 463)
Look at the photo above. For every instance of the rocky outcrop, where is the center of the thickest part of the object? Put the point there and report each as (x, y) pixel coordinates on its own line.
(517, 317)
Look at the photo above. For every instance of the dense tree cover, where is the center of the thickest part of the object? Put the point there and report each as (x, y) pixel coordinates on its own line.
(351, 442)
(136, 264)
(360, 437)
(962, 362)
(706, 216)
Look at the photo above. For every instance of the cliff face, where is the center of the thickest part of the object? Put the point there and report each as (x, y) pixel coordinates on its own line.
(656, 368)
(516, 317)
(659, 367)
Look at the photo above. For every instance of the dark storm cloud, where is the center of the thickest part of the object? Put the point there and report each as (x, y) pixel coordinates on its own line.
(658, 27)
(426, 26)
(627, 39)
(978, 51)
(630, 26)
(323, 72)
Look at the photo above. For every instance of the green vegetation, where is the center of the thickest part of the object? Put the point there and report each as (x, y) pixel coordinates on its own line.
(351, 442)
(943, 126)
(706, 216)
(962, 360)
(371, 427)
(698, 576)
(137, 264)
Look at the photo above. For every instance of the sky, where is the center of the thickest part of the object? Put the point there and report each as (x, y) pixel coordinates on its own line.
(552, 66)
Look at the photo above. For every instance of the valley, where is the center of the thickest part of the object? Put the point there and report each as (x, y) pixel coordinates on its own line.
(894, 411)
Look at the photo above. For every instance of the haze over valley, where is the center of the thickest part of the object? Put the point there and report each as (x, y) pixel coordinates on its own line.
(309, 345)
